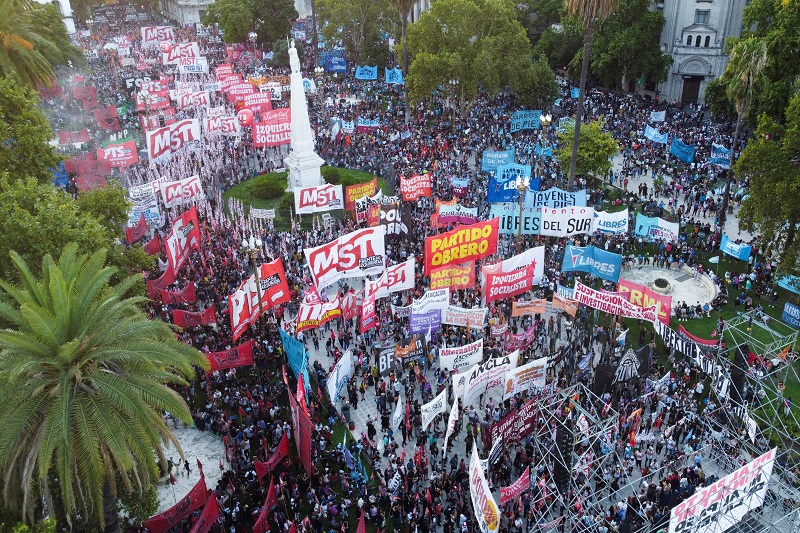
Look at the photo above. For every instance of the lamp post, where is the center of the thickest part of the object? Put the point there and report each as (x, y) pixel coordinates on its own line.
(523, 184)
(319, 78)
(453, 83)
(251, 247)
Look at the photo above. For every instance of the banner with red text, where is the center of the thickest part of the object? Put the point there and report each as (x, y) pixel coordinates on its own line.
(612, 303)
(237, 356)
(312, 316)
(164, 142)
(222, 125)
(317, 199)
(275, 128)
(358, 253)
(181, 192)
(486, 513)
(243, 304)
(518, 487)
(461, 245)
(396, 278)
(642, 296)
(152, 36)
(455, 277)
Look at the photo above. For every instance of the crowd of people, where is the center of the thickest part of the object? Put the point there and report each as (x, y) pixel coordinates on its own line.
(405, 478)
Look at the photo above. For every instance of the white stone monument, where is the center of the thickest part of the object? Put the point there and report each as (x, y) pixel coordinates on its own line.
(303, 162)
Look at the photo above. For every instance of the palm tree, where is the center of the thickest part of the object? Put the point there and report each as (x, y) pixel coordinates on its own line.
(84, 377)
(591, 13)
(404, 7)
(746, 62)
(22, 41)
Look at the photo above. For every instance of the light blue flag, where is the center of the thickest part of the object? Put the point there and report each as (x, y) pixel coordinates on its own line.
(297, 355)
(655, 136)
(682, 151)
(394, 76)
(547, 152)
(575, 92)
(721, 156)
(367, 73)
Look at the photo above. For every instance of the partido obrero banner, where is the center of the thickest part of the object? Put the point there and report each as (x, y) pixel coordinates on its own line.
(595, 261)
(461, 357)
(453, 277)
(461, 245)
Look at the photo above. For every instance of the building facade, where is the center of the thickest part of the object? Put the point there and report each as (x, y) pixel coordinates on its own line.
(694, 35)
(65, 8)
(186, 12)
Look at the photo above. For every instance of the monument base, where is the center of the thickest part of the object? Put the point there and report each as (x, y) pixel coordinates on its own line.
(304, 169)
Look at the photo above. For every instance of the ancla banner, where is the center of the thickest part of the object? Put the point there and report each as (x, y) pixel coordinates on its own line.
(237, 356)
(483, 377)
(722, 505)
(518, 487)
(483, 503)
(460, 357)
(461, 245)
(433, 408)
(318, 199)
(416, 186)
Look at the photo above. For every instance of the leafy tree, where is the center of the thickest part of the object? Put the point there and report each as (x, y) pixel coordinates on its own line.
(561, 45)
(139, 507)
(42, 219)
(56, 47)
(273, 19)
(595, 149)
(743, 71)
(27, 45)
(233, 17)
(281, 50)
(403, 8)
(538, 15)
(358, 25)
(539, 87)
(25, 150)
(85, 377)
(717, 100)
(771, 163)
(590, 13)
(480, 43)
(777, 23)
(626, 45)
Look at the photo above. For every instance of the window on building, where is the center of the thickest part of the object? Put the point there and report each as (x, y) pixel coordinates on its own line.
(701, 16)
(688, 40)
(697, 41)
(708, 41)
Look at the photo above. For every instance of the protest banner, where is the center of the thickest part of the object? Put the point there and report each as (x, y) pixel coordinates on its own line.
(491, 160)
(317, 199)
(396, 278)
(357, 191)
(655, 228)
(555, 198)
(237, 356)
(455, 277)
(483, 503)
(482, 377)
(616, 223)
(566, 221)
(613, 303)
(529, 376)
(358, 253)
(595, 261)
(642, 296)
(522, 484)
(461, 245)
(528, 307)
(458, 316)
(417, 186)
(275, 128)
(461, 357)
(433, 408)
(525, 120)
(507, 284)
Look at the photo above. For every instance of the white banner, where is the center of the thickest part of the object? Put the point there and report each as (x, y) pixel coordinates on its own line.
(358, 253)
(221, 125)
(339, 376)
(483, 504)
(396, 278)
(166, 141)
(317, 199)
(193, 99)
(528, 376)
(433, 408)
(483, 377)
(431, 300)
(460, 357)
(399, 411)
(532, 256)
(185, 191)
(721, 506)
(611, 222)
(181, 54)
(155, 35)
(458, 316)
(613, 303)
(566, 221)
(451, 422)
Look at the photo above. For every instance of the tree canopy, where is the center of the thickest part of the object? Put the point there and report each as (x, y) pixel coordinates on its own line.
(233, 17)
(25, 151)
(771, 163)
(539, 87)
(360, 27)
(84, 383)
(595, 149)
(273, 19)
(481, 43)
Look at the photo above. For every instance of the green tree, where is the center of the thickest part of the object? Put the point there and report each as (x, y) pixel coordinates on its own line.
(358, 26)
(626, 45)
(42, 219)
(745, 64)
(771, 163)
(595, 149)
(25, 43)
(56, 47)
(25, 149)
(84, 386)
(403, 8)
(273, 19)
(777, 23)
(539, 87)
(590, 13)
(233, 17)
(538, 15)
(480, 43)
(560, 45)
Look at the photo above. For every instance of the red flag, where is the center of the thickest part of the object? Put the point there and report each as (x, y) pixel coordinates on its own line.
(301, 393)
(153, 246)
(362, 527)
(196, 498)
(242, 412)
(262, 469)
(200, 467)
(208, 517)
(172, 479)
(185, 319)
(154, 286)
(187, 295)
(271, 501)
(237, 356)
(292, 528)
(138, 231)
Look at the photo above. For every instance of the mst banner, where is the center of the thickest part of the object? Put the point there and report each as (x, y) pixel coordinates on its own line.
(318, 199)
(358, 253)
(396, 278)
(461, 245)
(722, 505)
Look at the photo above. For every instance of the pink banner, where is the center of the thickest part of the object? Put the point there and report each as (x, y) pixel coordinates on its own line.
(515, 489)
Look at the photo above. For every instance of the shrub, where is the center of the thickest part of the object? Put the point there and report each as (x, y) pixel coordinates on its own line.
(331, 175)
(266, 187)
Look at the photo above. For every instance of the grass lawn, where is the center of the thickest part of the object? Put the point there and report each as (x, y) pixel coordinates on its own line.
(241, 192)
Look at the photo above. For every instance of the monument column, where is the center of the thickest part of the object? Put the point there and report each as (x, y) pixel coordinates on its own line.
(303, 162)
